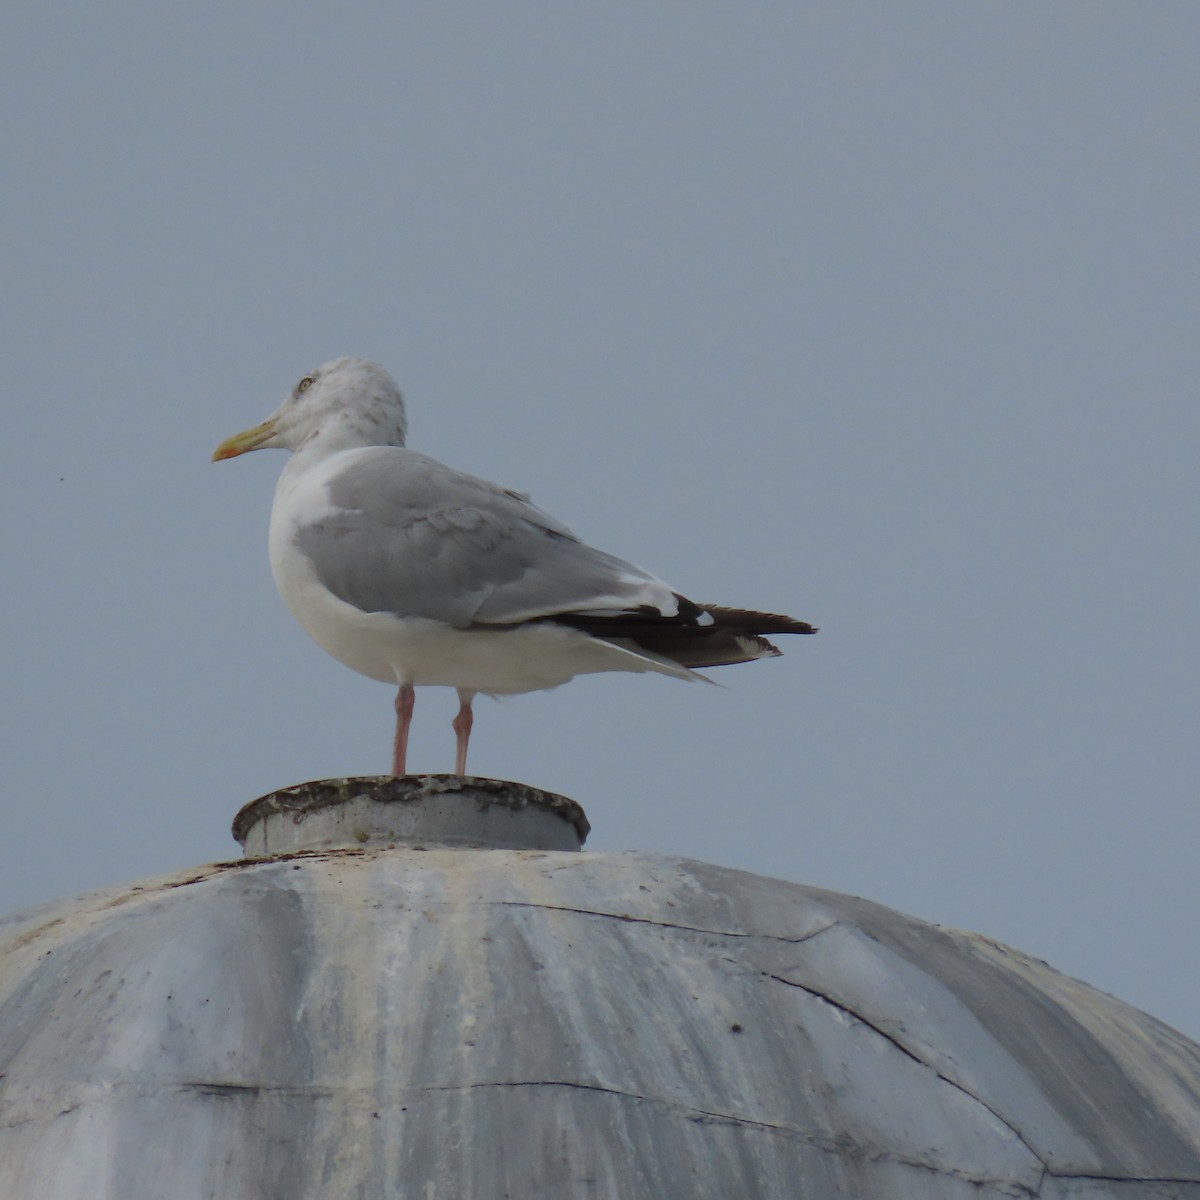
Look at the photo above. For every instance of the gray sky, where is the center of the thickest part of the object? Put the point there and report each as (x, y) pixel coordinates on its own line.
(881, 315)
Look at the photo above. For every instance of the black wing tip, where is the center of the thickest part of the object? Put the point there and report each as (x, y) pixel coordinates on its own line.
(693, 624)
(747, 620)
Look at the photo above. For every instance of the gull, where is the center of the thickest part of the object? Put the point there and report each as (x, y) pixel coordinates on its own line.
(416, 574)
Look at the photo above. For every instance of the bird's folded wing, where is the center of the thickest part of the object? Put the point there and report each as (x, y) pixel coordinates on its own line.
(405, 534)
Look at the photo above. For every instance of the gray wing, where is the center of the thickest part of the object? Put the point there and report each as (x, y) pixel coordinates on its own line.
(410, 536)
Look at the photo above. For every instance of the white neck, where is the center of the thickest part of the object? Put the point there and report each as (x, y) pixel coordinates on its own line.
(349, 431)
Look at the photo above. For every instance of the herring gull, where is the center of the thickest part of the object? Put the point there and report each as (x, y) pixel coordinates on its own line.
(416, 574)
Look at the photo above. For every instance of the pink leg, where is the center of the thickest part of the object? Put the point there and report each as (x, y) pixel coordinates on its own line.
(406, 698)
(462, 730)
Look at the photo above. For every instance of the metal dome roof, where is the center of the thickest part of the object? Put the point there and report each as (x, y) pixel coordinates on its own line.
(390, 1017)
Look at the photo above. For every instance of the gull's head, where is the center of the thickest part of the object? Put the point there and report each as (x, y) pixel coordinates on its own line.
(346, 402)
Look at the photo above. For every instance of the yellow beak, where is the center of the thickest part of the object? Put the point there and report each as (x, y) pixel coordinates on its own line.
(242, 443)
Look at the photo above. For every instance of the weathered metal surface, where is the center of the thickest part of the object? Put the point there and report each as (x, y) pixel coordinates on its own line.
(381, 810)
(479, 1024)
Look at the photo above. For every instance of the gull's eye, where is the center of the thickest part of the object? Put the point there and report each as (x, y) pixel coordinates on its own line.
(305, 384)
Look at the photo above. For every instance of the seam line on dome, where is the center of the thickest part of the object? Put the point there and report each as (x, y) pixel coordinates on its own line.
(590, 912)
(840, 1145)
(1048, 1175)
(899, 1045)
(829, 1145)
